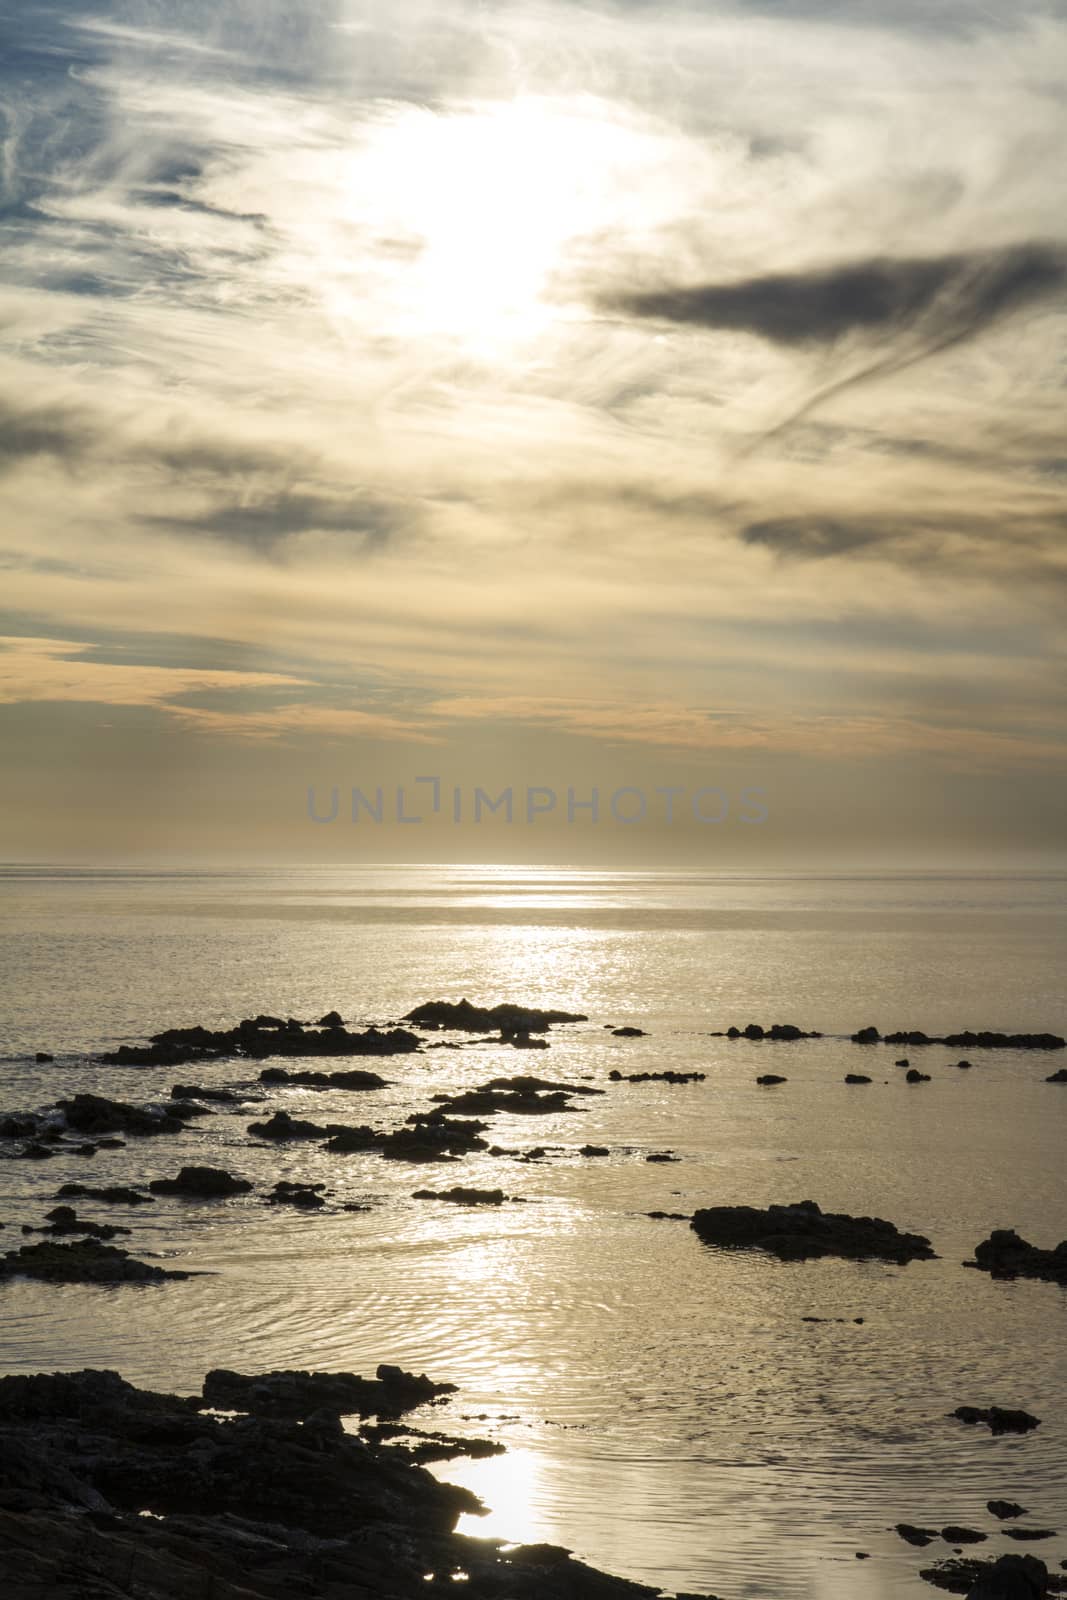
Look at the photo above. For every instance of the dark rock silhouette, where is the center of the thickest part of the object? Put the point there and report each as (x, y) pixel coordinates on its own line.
(307, 1196)
(1029, 1533)
(354, 1079)
(64, 1221)
(84, 1261)
(113, 1196)
(1004, 1509)
(1005, 1255)
(916, 1536)
(1058, 1077)
(913, 1075)
(282, 1126)
(969, 1040)
(856, 1077)
(628, 1033)
(272, 1504)
(953, 1535)
(997, 1419)
(770, 1078)
(777, 1032)
(193, 1091)
(656, 1077)
(258, 1038)
(201, 1183)
(465, 1197)
(505, 1018)
(801, 1230)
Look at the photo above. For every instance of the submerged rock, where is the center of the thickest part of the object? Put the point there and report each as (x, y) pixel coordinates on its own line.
(299, 1394)
(916, 1536)
(768, 1079)
(801, 1230)
(628, 1033)
(952, 1535)
(856, 1077)
(307, 1196)
(779, 1031)
(1058, 1077)
(194, 1091)
(505, 1018)
(282, 1126)
(997, 1419)
(913, 1075)
(201, 1183)
(92, 1113)
(1005, 1255)
(113, 1196)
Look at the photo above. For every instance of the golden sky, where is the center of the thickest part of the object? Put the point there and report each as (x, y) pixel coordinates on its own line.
(533, 394)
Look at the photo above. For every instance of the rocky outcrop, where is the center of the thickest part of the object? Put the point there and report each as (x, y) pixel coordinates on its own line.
(657, 1077)
(967, 1040)
(258, 1038)
(111, 1196)
(997, 1419)
(467, 1197)
(1005, 1255)
(505, 1018)
(282, 1127)
(778, 1031)
(354, 1079)
(268, 1505)
(201, 1183)
(85, 1261)
(1010, 1578)
(802, 1230)
(767, 1080)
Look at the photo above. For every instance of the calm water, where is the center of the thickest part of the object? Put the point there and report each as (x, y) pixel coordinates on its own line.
(668, 1415)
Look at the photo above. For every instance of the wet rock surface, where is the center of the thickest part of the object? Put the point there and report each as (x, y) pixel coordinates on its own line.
(777, 1032)
(967, 1040)
(802, 1230)
(1009, 1578)
(257, 1038)
(467, 1197)
(1005, 1255)
(274, 1503)
(657, 1077)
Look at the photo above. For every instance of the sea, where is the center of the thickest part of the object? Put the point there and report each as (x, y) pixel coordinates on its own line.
(670, 1412)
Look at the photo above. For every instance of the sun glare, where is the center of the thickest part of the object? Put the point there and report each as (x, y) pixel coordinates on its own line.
(475, 210)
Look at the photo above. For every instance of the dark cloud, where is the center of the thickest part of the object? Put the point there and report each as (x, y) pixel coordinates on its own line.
(942, 299)
(366, 521)
(811, 536)
(47, 431)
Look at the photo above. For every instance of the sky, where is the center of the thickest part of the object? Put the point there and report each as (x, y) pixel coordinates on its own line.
(535, 397)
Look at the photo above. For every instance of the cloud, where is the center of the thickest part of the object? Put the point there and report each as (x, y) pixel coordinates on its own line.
(933, 302)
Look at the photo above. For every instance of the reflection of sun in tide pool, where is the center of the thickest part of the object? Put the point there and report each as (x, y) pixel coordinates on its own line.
(488, 198)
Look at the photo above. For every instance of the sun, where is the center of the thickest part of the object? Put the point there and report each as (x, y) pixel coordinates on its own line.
(471, 212)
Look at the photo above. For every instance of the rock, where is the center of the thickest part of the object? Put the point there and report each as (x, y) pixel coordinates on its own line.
(298, 1394)
(504, 1018)
(1058, 1077)
(1029, 1533)
(115, 1196)
(969, 1040)
(916, 1536)
(669, 1076)
(85, 1261)
(628, 1033)
(964, 1066)
(902, 1063)
(913, 1075)
(193, 1091)
(64, 1220)
(324, 1080)
(801, 1230)
(201, 1183)
(856, 1077)
(528, 1085)
(779, 1031)
(594, 1150)
(770, 1078)
(662, 1155)
(669, 1216)
(92, 1113)
(43, 1057)
(952, 1535)
(332, 1019)
(464, 1197)
(254, 1507)
(523, 1041)
(258, 1038)
(1005, 1509)
(487, 1101)
(997, 1419)
(866, 1036)
(1005, 1255)
(1010, 1578)
(307, 1196)
(283, 1126)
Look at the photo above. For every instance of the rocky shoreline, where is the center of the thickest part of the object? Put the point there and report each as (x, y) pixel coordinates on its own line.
(99, 1481)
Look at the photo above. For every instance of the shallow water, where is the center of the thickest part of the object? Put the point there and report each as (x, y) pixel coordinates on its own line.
(668, 1414)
